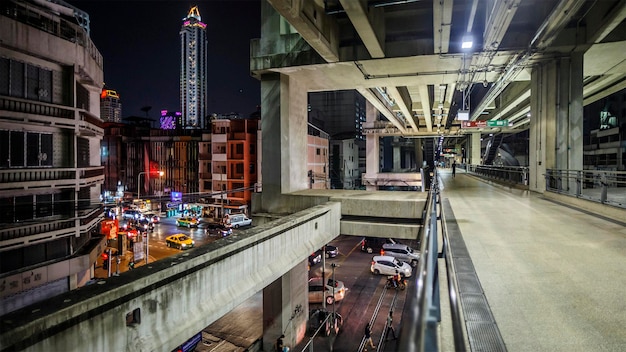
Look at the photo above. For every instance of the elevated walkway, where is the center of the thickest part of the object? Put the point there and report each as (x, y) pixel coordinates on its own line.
(552, 275)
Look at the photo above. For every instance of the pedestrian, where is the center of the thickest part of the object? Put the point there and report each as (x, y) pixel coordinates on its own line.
(390, 325)
(454, 168)
(368, 335)
(280, 344)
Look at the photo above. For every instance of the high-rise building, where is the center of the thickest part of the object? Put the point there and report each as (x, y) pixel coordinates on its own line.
(193, 69)
(110, 106)
(50, 133)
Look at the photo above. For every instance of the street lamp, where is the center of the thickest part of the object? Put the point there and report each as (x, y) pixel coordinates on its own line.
(161, 173)
(138, 184)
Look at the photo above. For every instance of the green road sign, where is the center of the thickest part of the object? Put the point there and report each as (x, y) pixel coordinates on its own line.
(497, 123)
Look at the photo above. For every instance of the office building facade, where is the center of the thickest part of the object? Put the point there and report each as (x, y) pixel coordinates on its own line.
(51, 78)
(193, 70)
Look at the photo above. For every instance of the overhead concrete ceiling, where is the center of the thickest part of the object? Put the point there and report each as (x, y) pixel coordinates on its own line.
(406, 57)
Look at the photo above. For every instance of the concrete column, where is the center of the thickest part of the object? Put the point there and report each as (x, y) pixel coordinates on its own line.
(283, 129)
(556, 123)
(286, 308)
(419, 153)
(458, 156)
(474, 149)
(396, 156)
(372, 149)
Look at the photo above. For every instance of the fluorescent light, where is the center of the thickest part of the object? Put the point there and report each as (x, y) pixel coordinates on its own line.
(467, 42)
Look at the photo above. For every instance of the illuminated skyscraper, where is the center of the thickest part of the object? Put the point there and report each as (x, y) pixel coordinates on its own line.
(193, 68)
(110, 106)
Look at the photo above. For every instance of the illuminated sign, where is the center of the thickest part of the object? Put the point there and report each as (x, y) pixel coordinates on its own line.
(473, 124)
(463, 115)
(109, 93)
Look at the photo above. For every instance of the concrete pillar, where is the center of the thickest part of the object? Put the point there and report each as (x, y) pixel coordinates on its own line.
(474, 149)
(458, 156)
(283, 129)
(556, 122)
(372, 148)
(419, 153)
(396, 156)
(286, 308)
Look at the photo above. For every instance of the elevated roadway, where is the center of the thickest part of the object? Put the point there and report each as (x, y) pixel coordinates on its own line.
(160, 305)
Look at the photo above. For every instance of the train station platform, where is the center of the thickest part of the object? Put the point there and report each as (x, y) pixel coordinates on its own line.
(552, 275)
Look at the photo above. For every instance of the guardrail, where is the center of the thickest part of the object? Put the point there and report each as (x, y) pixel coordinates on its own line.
(422, 313)
(510, 174)
(606, 187)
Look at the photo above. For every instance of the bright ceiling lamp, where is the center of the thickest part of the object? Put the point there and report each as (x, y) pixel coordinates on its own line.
(467, 42)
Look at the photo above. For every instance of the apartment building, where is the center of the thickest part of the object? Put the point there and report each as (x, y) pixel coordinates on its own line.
(51, 78)
(229, 164)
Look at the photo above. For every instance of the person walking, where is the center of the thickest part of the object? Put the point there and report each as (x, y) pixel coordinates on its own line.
(280, 343)
(453, 168)
(390, 328)
(368, 335)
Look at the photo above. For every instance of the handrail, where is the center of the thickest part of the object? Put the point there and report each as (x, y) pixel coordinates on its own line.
(422, 314)
(458, 331)
(603, 186)
(420, 318)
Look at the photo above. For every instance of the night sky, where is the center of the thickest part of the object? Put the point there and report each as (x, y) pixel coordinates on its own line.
(140, 44)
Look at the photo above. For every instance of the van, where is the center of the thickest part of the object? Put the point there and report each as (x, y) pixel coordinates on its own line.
(401, 252)
(237, 220)
(374, 244)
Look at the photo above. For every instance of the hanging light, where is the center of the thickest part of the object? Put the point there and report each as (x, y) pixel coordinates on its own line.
(467, 42)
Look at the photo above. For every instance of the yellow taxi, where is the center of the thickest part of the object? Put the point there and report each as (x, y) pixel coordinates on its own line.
(180, 241)
(187, 221)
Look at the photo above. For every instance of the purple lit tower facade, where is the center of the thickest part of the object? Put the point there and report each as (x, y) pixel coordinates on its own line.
(193, 69)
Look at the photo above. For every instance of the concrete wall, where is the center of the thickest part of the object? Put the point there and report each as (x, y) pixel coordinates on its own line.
(177, 296)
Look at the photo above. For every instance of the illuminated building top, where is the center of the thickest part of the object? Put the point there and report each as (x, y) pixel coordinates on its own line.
(109, 93)
(193, 18)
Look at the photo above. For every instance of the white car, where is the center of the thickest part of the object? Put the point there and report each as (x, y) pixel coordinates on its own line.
(388, 265)
(318, 292)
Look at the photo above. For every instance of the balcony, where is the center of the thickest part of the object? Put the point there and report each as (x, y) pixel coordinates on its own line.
(50, 178)
(47, 112)
(21, 234)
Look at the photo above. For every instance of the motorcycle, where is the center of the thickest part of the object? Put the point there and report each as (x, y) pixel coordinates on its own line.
(393, 282)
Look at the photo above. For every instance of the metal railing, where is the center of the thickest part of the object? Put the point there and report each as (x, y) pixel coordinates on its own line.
(422, 313)
(510, 174)
(606, 187)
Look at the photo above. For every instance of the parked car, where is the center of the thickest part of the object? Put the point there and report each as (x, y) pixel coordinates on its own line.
(375, 244)
(402, 252)
(388, 265)
(131, 214)
(315, 258)
(318, 291)
(237, 220)
(187, 221)
(152, 217)
(331, 251)
(217, 229)
(180, 241)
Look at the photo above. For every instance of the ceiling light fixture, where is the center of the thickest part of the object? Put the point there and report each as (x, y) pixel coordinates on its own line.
(467, 42)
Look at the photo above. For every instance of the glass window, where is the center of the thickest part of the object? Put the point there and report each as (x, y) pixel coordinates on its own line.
(17, 148)
(32, 149)
(4, 148)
